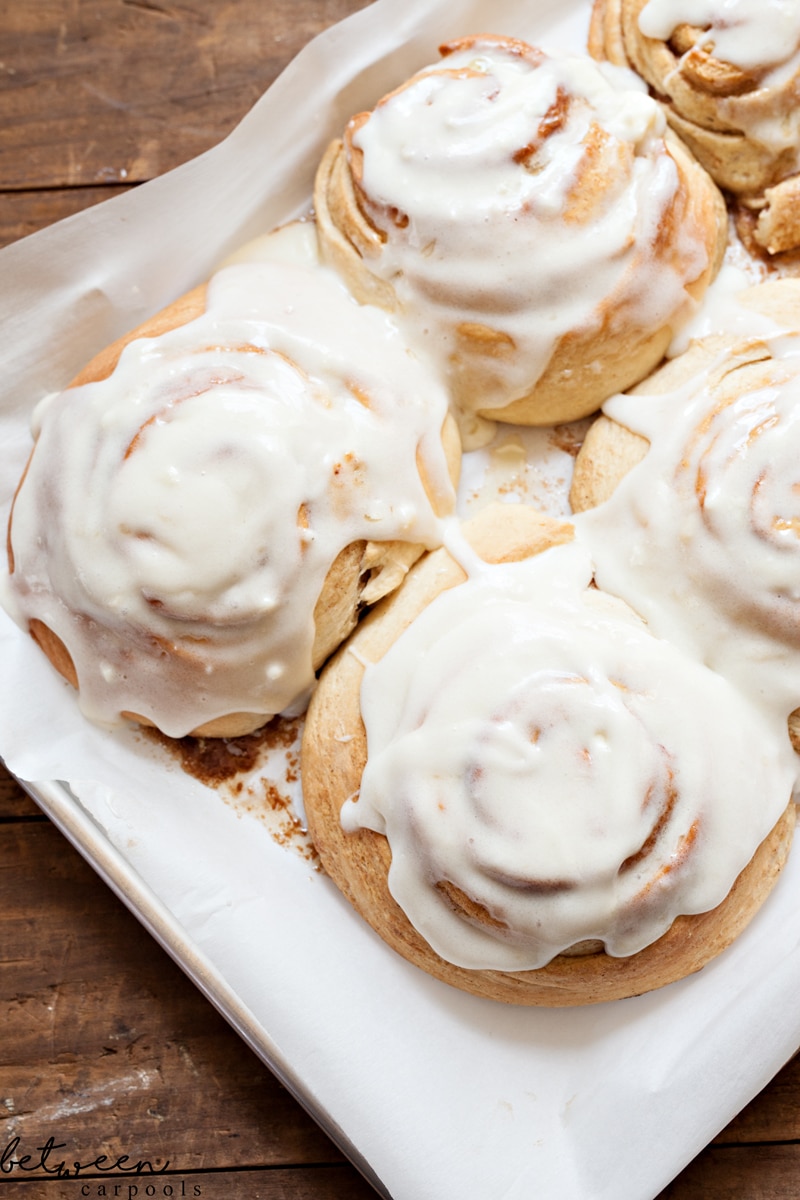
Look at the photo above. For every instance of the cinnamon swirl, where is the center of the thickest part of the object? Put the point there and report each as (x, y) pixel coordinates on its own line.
(212, 500)
(529, 219)
(701, 537)
(728, 75)
(502, 774)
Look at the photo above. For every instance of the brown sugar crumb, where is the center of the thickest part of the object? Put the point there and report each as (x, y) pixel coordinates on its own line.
(569, 438)
(745, 221)
(213, 760)
(255, 774)
(283, 822)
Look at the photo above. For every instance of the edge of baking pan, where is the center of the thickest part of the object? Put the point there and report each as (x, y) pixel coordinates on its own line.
(62, 806)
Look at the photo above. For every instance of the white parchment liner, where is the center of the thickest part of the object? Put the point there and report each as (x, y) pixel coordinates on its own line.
(447, 1097)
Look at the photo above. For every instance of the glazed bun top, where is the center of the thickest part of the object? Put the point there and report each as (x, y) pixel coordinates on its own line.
(702, 535)
(755, 35)
(178, 518)
(533, 761)
(527, 216)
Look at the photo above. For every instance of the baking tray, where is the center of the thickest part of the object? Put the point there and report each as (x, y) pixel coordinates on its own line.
(63, 807)
(430, 1092)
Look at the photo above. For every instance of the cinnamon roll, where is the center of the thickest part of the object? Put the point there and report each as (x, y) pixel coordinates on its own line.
(211, 502)
(529, 219)
(697, 481)
(728, 75)
(502, 773)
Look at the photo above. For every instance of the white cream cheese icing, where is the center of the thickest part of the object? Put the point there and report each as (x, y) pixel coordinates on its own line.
(761, 37)
(534, 746)
(746, 33)
(473, 169)
(703, 537)
(177, 520)
(722, 310)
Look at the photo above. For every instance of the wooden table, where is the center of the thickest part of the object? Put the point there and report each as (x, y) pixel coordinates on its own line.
(105, 1047)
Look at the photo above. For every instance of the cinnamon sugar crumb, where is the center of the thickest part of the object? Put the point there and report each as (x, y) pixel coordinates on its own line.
(568, 438)
(255, 774)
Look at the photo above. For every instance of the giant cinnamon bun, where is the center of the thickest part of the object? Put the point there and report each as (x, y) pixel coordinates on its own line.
(728, 75)
(502, 773)
(210, 503)
(688, 495)
(530, 220)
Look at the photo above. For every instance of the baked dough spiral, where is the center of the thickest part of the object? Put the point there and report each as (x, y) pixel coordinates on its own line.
(528, 219)
(703, 538)
(728, 75)
(209, 505)
(502, 774)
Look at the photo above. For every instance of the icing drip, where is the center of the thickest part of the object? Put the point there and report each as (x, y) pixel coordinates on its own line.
(178, 519)
(747, 33)
(702, 537)
(522, 195)
(533, 754)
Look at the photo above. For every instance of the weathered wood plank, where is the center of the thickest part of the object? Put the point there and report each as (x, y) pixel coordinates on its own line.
(99, 1029)
(107, 1046)
(774, 1115)
(104, 1036)
(14, 802)
(22, 213)
(299, 1183)
(122, 90)
(739, 1173)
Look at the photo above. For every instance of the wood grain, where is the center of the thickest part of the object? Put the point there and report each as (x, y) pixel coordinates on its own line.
(296, 1183)
(117, 91)
(14, 802)
(104, 1044)
(107, 1046)
(752, 1173)
(25, 212)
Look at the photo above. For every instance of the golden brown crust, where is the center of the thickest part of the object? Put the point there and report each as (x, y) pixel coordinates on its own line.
(51, 645)
(778, 224)
(351, 241)
(608, 452)
(183, 310)
(333, 758)
(346, 240)
(715, 108)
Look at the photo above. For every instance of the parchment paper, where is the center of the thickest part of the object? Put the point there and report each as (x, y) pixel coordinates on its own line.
(446, 1096)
